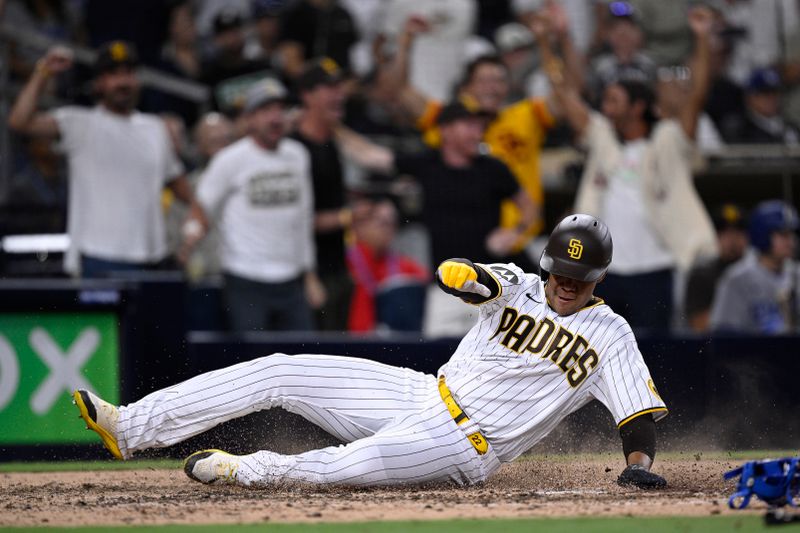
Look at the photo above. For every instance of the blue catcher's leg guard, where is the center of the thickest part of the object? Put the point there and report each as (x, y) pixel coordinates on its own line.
(777, 482)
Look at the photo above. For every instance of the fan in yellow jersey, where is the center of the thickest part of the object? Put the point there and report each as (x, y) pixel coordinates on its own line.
(515, 135)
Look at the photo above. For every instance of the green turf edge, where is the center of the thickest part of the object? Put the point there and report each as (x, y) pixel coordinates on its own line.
(709, 524)
(71, 466)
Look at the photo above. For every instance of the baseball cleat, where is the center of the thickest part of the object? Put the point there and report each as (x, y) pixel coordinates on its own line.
(211, 467)
(101, 417)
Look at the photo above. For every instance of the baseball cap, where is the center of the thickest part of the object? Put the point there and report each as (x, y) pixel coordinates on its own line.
(115, 54)
(621, 10)
(768, 217)
(764, 80)
(263, 92)
(267, 8)
(227, 19)
(728, 216)
(322, 71)
(458, 110)
(512, 36)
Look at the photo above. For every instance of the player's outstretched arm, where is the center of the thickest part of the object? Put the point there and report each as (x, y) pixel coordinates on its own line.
(639, 447)
(463, 278)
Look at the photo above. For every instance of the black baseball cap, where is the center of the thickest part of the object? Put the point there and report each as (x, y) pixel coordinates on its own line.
(115, 54)
(728, 216)
(458, 110)
(227, 19)
(323, 71)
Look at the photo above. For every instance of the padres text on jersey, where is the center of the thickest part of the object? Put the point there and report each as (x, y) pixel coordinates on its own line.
(523, 368)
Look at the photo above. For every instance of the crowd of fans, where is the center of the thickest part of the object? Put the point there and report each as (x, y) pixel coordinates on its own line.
(349, 146)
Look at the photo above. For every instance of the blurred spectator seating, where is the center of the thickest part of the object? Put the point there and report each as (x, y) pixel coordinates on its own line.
(437, 58)
(759, 293)
(666, 34)
(762, 122)
(625, 59)
(312, 29)
(262, 45)
(389, 293)
(180, 56)
(225, 59)
(730, 224)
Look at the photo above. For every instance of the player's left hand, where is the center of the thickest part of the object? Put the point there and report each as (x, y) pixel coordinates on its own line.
(638, 476)
(461, 277)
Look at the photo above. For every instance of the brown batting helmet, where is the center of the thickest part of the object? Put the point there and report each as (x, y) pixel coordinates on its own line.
(580, 248)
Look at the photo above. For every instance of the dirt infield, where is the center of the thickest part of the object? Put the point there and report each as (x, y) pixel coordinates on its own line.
(537, 487)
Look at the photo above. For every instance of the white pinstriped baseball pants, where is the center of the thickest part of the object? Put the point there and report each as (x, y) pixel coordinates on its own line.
(395, 424)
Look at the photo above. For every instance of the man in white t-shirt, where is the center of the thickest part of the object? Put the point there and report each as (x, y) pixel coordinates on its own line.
(258, 192)
(638, 179)
(119, 162)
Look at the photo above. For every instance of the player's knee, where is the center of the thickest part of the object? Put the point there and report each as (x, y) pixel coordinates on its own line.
(270, 365)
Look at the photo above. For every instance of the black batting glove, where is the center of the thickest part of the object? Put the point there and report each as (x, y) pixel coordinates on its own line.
(639, 476)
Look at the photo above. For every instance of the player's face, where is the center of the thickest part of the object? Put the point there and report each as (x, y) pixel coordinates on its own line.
(567, 295)
(267, 124)
(489, 87)
(119, 89)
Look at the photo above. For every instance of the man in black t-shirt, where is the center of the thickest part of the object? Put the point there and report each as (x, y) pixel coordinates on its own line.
(461, 206)
(322, 96)
(463, 190)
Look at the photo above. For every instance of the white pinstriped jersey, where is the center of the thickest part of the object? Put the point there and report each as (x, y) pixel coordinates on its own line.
(523, 368)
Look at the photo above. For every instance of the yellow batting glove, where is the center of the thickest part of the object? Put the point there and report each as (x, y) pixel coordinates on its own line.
(461, 277)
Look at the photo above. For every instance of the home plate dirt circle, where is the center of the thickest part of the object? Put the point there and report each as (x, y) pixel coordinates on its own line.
(552, 487)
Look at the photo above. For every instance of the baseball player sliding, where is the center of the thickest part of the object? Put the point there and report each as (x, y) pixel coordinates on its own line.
(539, 351)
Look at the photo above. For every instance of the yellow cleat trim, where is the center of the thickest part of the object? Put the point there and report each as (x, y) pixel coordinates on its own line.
(212, 450)
(108, 440)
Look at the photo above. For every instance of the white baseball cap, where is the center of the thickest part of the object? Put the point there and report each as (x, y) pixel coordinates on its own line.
(512, 36)
(263, 92)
